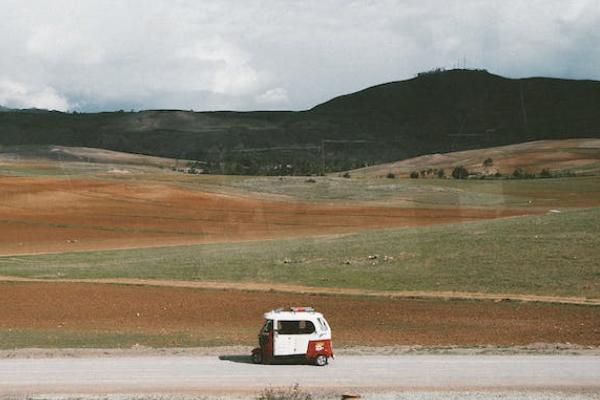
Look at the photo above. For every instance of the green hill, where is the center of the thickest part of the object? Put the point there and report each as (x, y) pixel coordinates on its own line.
(435, 112)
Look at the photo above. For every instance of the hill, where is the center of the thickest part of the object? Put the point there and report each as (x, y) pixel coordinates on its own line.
(578, 156)
(81, 154)
(435, 112)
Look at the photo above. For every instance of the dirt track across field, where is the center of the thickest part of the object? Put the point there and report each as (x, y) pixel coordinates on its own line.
(298, 289)
(183, 316)
(45, 214)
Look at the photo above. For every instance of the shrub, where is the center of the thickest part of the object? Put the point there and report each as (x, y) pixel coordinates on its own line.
(460, 173)
(519, 173)
(545, 173)
(414, 175)
(346, 175)
(441, 173)
(390, 175)
(488, 162)
(292, 393)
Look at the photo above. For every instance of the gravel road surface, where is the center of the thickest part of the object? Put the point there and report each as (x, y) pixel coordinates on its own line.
(195, 375)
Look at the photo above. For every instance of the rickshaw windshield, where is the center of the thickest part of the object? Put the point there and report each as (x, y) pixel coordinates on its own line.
(268, 326)
(323, 324)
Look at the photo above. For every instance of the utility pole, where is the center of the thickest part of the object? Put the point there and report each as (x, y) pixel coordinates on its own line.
(323, 157)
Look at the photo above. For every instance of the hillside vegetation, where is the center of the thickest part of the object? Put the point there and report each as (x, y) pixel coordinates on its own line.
(432, 113)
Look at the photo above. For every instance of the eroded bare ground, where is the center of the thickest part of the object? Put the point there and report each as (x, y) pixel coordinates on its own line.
(47, 214)
(180, 316)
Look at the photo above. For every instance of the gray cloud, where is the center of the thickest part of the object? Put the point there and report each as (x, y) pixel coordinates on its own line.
(106, 55)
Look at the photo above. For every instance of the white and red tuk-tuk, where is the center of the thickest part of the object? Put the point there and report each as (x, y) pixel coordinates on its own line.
(294, 333)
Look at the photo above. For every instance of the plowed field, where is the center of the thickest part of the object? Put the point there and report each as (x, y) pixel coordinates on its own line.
(44, 214)
(179, 316)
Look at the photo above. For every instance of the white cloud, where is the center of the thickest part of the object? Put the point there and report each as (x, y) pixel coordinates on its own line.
(224, 68)
(273, 96)
(18, 95)
(53, 43)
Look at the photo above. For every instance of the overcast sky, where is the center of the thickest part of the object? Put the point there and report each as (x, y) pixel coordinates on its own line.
(90, 55)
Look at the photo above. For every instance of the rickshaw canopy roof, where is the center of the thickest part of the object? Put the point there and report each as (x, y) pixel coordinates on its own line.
(293, 314)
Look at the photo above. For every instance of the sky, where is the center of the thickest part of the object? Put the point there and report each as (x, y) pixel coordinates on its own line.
(87, 55)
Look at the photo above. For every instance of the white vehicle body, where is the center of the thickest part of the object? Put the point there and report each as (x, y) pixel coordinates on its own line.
(295, 329)
(296, 332)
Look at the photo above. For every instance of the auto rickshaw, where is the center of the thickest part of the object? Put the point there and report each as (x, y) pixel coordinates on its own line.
(297, 333)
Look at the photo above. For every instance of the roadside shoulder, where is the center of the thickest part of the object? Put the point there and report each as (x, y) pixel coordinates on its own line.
(219, 351)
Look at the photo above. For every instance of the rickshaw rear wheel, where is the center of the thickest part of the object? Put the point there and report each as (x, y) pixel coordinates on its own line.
(257, 357)
(321, 360)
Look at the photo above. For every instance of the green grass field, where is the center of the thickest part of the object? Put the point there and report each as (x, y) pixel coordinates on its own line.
(555, 192)
(59, 338)
(551, 254)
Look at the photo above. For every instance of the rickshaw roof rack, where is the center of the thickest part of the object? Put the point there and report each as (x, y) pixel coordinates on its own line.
(296, 309)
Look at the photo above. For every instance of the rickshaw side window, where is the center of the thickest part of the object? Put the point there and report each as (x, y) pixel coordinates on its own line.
(295, 327)
(307, 327)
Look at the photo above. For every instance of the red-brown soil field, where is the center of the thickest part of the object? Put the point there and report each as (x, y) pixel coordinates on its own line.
(235, 316)
(49, 214)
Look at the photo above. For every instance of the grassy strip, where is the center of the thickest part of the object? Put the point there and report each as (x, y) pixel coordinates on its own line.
(421, 192)
(58, 338)
(553, 254)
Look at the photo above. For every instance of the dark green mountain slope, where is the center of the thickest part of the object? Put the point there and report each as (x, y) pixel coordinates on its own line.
(434, 112)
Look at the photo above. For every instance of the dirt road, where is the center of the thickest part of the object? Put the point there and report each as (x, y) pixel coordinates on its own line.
(234, 374)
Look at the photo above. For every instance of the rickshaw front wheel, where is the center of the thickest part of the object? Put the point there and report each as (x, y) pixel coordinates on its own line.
(257, 357)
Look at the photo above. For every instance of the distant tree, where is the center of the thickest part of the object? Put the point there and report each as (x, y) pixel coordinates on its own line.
(519, 173)
(432, 71)
(460, 173)
(414, 175)
(545, 173)
(390, 175)
(488, 162)
(346, 175)
(441, 173)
